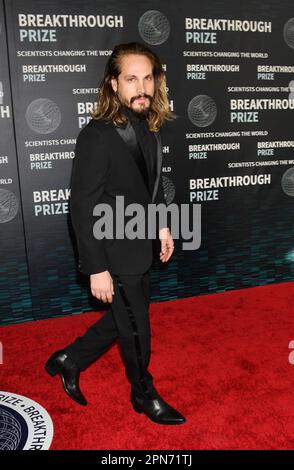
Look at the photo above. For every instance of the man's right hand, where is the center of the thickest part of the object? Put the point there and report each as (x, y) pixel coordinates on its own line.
(102, 286)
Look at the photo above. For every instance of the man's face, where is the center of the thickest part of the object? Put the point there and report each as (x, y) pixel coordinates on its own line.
(135, 84)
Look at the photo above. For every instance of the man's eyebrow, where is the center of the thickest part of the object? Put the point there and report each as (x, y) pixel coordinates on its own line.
(129, 75)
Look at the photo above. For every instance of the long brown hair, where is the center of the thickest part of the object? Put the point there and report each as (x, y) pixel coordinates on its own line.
(108, 104)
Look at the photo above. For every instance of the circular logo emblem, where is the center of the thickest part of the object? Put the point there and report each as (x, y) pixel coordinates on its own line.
(154, 27)
(8, 205)
(168, 189)
(202, 110)
(43, 116)
(288, 32)
(24, 424)
(288, 181)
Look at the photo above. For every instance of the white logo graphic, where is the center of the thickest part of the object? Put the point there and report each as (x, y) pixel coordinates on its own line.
(8, 205)
(24, 424)
(288, 182)
(43, 116)
(154, 27)
(288, 33)
(169, 189)
(202, 110)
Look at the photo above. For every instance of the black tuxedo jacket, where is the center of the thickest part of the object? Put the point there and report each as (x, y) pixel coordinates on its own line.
(103, 168)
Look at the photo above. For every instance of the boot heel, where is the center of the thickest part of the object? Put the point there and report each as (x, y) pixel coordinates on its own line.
(136, 407)
(52, 368)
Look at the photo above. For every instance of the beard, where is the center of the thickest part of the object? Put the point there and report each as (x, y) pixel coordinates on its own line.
(140, 112)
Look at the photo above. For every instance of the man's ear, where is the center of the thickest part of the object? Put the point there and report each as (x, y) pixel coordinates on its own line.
(114, 84)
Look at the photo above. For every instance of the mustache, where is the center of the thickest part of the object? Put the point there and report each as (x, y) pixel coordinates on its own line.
(141, 96)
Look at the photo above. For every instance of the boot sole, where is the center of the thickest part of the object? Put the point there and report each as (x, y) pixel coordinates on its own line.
(138, 408)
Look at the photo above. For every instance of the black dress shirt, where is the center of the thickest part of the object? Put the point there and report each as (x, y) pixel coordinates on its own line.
(147, 143)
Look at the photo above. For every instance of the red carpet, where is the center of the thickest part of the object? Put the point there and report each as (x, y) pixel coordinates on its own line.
(221, 359)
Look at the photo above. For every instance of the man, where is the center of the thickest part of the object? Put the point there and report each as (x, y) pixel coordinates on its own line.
(119, 153)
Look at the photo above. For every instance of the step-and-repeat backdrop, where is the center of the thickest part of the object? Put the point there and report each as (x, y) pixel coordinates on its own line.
(230, 79)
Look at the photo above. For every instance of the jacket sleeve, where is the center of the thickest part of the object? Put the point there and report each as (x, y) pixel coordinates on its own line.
(88, 179)
(160, 196)
(160, 199)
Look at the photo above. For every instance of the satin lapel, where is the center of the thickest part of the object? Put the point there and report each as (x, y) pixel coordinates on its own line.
(159, 163)
(129, 137)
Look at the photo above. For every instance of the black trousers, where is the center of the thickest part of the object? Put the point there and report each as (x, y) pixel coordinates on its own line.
(127, 320)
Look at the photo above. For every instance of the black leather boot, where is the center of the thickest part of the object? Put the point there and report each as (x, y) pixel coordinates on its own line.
(157, 410)
(60, 363)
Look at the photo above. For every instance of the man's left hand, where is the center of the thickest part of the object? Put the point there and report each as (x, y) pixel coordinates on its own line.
(167, 244)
